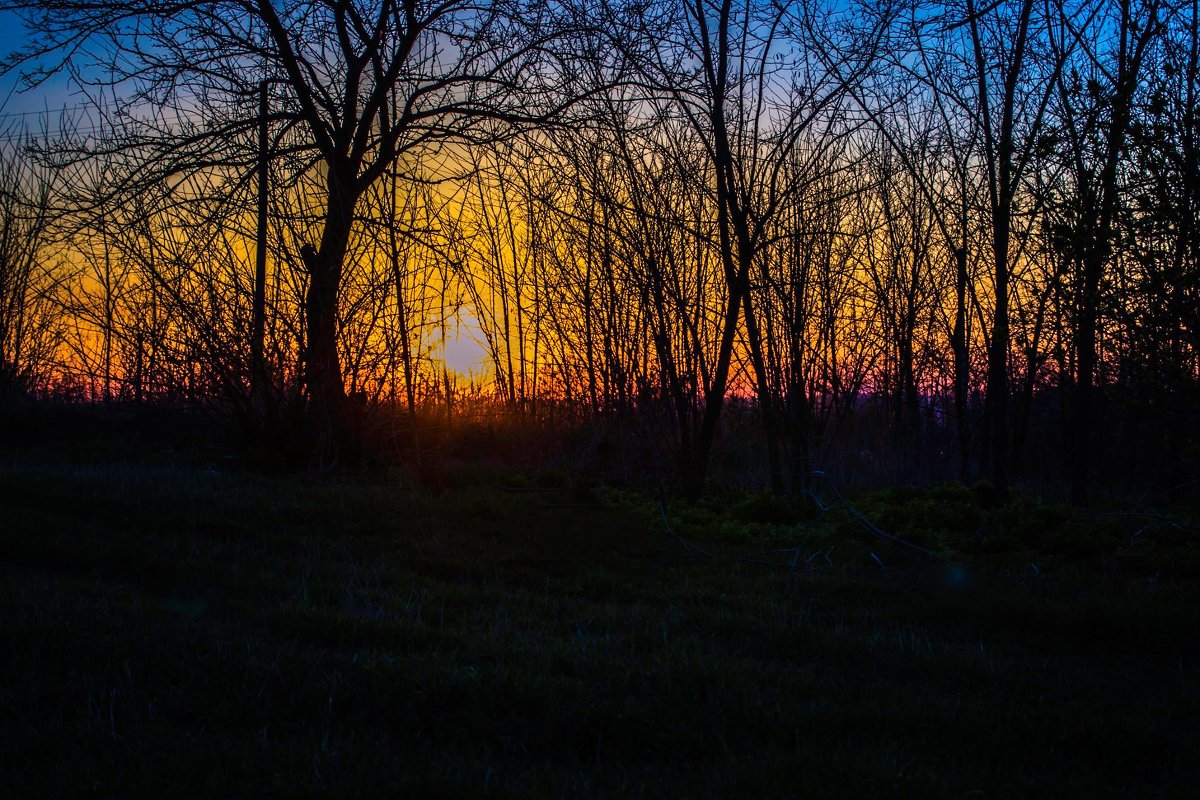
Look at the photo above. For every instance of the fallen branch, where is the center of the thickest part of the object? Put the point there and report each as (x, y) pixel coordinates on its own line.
(871, 527)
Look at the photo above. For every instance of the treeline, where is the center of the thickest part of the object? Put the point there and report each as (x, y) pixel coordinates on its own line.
(962, 237)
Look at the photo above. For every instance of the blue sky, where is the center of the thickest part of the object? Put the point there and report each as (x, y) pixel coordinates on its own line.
(12, 35)
(12, 32)
(54, 97)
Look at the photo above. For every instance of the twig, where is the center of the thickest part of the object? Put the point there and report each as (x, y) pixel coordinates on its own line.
(662, 508)
(796, 552)
(866, 523)
(750, 558)
(1158, 520)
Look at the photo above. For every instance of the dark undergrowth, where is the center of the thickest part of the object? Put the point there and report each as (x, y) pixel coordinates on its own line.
(173, 623)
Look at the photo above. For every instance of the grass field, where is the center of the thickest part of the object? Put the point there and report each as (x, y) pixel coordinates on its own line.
(168, 628)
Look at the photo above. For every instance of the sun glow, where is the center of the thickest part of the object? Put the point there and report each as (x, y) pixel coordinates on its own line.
(464, 350)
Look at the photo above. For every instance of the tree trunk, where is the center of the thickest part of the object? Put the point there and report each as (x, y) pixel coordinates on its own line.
(259, 380)
(765, 402)
(997, 389)
(1081, 427)
(331, 425)
(714, 400)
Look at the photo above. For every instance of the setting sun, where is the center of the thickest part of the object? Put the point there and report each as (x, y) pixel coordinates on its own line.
(465, 354)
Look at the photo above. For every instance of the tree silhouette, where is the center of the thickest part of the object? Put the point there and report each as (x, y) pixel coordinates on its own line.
(363, 87)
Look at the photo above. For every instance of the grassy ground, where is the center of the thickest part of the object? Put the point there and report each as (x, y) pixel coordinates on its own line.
(169, 629)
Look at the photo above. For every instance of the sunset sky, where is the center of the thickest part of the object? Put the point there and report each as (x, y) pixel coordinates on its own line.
(588, 261)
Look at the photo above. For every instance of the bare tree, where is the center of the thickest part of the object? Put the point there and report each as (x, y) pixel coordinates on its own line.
(1095, 106)
(741, 74)
(29, 310)
(364, 85)
(994, 65)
